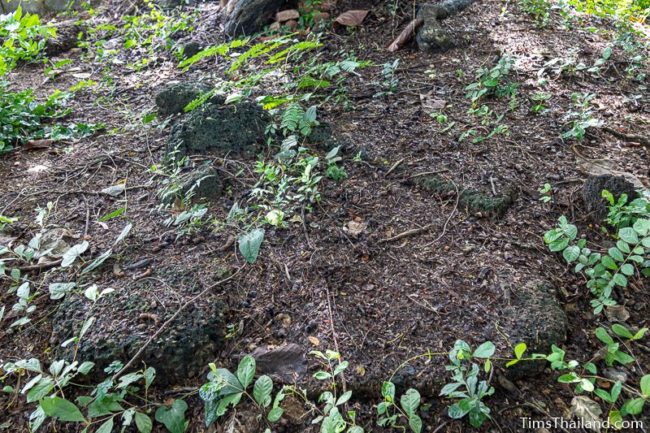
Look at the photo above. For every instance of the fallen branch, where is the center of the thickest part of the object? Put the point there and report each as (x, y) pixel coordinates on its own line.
(628, 137)
(406, 35)
(406, 234)
(170, 320)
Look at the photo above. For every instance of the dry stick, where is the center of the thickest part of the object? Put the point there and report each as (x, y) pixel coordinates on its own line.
(393, 167)
(40, 266)
(336, 343)
(627, 137)
(406, 35)
(406, 234)
(168, 321)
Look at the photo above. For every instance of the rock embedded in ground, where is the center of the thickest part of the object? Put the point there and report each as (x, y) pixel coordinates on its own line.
(286, 363)
(204, 183)
(174, 97)
(536, 318)
(250, 16)
(475, 202)
(592, 193)
(126, 319)
(232, 129)
(430, 35)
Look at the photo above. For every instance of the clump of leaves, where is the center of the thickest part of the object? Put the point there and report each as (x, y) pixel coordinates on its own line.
(22, 118)
(465, 386)
(225, 389)
(607, 270)
(23, 38)
(490, 82)
(581, 117)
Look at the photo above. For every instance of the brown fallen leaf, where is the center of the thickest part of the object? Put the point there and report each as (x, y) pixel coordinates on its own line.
(286, 15)
(38, 144)
(314, 341)
(352, 18)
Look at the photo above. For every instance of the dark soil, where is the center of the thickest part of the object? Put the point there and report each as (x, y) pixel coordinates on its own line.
(378, 301)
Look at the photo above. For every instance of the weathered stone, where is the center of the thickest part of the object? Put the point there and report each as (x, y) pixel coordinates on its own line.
(198, 185)
(126, 318)
(431, 36)
(250, 16)
(175, 97)
(190, 48)
(286, 363)
(536, 318)
(66, 38)
(323, 137)
(225, 129)
(592, 193)
(472, 200)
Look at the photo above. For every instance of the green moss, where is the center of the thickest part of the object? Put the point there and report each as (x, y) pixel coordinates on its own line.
(472, 200)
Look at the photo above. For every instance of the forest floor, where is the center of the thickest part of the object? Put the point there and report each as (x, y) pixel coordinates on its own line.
(334, 278)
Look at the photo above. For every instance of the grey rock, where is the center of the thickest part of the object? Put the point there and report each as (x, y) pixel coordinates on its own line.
(198, 185)
(431, 36)
(536, 318)
(175, 97)
(250, 16)
(225, 129)
(286, 363)
(592, 193)
(125, 320)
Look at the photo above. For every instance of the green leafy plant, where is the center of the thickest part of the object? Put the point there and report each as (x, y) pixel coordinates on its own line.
(610, 269)
(23, 38)
(490, 82)
(581, 117)
(465, 386)
(99, 409)
(545, 193)
(390, 413)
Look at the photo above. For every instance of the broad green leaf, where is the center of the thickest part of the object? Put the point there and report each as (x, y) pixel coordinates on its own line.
(143, 422)
(173, 417)
(246, 371)
(73, 253)
(616, 254)
(603, 336)
(275, 414)
(388, 391)
(645, 386)
(262, 390)
(415, 422)
(622, 331)
(249, 244)
(106, 427)
(61, 409)
(620, 279)
(410, 401)
(571, 253)
(520, 349)
(344, 398)
(125, 232)
(455, 411)
(42, 388)
(59, 290)
(485, 350)
(628, 235)
(627, 269)
(633, 407)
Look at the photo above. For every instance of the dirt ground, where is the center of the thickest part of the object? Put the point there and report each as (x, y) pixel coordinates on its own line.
(378, 303)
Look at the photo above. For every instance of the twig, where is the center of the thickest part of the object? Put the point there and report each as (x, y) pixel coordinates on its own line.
(628, 137)
(393, 167)
(170, 320)
(334, 339)
(406, 234)
(40, 266)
